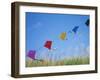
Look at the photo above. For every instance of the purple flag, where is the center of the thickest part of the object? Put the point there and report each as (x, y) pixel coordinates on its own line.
(31, 54)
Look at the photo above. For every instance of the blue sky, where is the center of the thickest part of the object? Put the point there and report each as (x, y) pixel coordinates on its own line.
(41, 27)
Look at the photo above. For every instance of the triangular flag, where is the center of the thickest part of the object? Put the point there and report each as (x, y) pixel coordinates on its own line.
(87, 22)
(75, 29)
(48, 44)
(31, 54)
(63, 36)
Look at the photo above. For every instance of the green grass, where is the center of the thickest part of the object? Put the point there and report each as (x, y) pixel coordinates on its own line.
(66, 61)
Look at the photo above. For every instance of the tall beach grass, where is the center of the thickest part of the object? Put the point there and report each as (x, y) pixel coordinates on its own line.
(65, 61)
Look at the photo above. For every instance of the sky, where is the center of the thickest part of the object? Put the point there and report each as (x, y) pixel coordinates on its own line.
(41, 27)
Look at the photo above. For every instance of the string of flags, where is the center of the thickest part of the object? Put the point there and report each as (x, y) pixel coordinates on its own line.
(48, 44)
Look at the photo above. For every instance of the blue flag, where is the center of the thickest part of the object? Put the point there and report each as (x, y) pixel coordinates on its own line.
(75, 29)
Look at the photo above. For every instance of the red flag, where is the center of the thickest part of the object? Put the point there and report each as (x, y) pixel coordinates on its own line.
(48, 44)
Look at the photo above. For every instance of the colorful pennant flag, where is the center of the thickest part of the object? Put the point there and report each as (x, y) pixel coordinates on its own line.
(87, 22)
(63, 36)
(48, 44)
(75, 29)
(31, 54)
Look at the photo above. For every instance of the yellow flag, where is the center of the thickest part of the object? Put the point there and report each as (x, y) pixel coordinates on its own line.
(63, 36)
